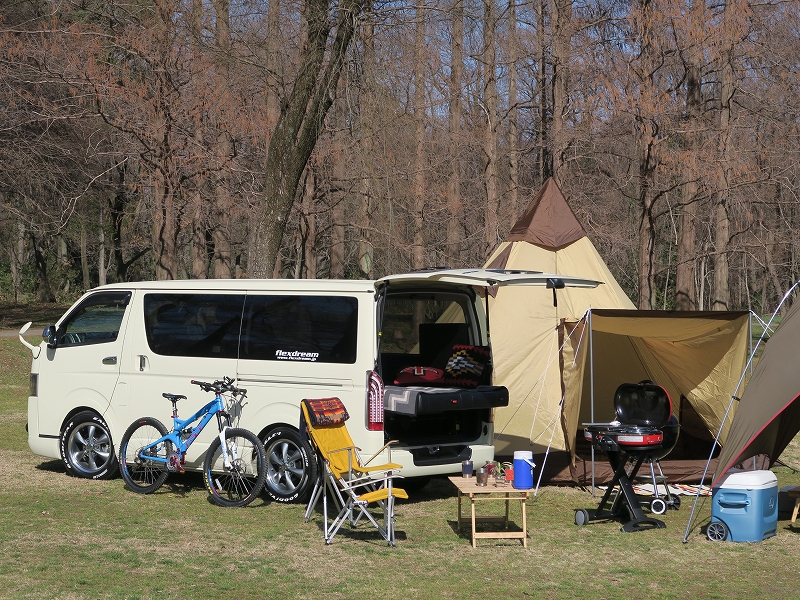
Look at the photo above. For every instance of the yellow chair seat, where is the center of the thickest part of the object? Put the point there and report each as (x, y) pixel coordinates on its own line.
(382, 494)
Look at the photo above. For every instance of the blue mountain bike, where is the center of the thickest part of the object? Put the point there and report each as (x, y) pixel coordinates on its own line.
(235, 465)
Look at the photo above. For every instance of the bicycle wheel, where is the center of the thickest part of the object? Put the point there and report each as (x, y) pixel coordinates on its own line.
(140, 474)
(240, 482)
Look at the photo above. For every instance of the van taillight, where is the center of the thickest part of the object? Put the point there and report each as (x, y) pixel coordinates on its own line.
(374, 401)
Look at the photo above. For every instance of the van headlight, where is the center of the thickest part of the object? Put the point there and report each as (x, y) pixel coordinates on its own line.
(34, 391)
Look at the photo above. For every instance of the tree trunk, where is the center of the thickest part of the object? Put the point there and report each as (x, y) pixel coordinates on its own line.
(199, 249)
(300, 124)
(545, 156)
(338, 213)
(490, 145)
(685, 271)
(17, 260)
(309, 227)
(222, 209)
(454, 204)
(513, 156)
(45, 292)
(222, 205)
(273, 65)
(722, 294)
(418, 183)
(101, 248)
(165, 230)
(366, 251)
(645, 140)
(85, 257)
(562, 36)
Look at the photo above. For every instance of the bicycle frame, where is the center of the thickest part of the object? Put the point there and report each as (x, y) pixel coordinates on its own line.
(204, 415)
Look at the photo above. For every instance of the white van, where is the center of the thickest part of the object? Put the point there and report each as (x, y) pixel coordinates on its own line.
(424, 335)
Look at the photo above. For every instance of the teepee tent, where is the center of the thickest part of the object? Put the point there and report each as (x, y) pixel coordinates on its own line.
(524, 322)
(541, 349)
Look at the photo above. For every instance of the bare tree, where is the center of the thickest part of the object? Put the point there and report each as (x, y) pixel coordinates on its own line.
(490, 147)
(330, 30)
(685, 289)
(456, 82)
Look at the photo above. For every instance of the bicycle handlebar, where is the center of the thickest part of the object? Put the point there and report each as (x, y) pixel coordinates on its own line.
(220, 386)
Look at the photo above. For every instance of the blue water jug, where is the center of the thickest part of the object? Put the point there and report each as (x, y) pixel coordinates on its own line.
(523, 469)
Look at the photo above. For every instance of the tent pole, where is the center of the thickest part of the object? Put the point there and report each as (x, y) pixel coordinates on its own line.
(747, 367)
(750, 334)
(591, 385)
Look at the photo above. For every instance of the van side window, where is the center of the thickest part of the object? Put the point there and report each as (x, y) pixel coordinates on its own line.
(300, 328)
(95, 321)
(199, 325)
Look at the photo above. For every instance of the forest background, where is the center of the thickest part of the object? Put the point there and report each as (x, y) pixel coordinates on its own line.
(158, 139)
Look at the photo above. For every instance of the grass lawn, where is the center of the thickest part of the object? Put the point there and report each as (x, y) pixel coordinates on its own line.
(70, 538)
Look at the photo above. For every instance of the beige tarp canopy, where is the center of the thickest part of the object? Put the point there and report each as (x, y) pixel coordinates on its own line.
(699, 357)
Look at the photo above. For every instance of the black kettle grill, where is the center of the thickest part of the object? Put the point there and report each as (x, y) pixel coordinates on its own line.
(645, 430)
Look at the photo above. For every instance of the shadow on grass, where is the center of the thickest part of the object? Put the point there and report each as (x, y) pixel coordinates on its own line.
(52, 466)
(486, 527)
(180, 485)
(363, 532)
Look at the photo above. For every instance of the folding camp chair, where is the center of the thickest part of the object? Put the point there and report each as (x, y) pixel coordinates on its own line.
(351, 482)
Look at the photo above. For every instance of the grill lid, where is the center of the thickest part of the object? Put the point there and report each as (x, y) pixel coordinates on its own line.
(645, 404)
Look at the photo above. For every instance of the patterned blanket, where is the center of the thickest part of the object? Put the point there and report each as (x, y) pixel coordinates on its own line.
(326, 411)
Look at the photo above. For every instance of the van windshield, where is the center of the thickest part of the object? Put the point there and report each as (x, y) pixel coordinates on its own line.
(97, 320)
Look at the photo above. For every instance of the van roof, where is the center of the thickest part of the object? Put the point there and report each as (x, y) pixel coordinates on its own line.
(471, 277)
(244, 285)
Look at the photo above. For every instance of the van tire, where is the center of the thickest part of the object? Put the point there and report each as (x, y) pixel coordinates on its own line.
(291, 466)
(86, 447)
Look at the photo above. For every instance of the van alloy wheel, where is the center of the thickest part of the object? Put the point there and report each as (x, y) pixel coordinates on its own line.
(86, 447)
(291, 466)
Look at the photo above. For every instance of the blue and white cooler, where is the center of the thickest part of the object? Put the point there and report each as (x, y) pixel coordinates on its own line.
(744, 507)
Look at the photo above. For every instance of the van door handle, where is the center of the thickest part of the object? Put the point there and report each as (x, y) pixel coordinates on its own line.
(110, 360)
(142, 362)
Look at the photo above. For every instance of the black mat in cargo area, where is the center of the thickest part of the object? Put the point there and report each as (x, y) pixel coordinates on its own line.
(419, 400)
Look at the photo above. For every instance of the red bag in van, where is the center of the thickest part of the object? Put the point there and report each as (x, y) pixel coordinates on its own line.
(419, 376)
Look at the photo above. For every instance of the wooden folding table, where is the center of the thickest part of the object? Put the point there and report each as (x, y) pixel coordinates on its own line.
(476, 493)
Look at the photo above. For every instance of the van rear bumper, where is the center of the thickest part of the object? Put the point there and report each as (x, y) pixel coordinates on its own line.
(42, 445)
(420, 461)
(47, 447)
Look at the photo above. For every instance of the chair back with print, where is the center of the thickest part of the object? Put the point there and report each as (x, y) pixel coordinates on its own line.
(325, 421)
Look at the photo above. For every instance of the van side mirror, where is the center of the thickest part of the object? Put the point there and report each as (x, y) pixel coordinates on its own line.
(49, 335)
